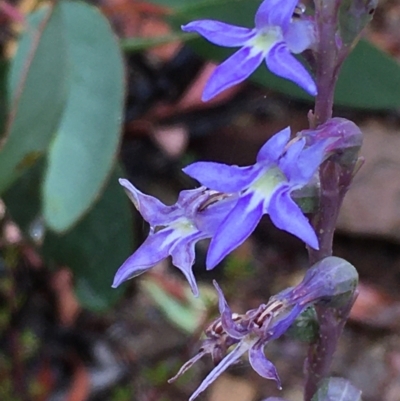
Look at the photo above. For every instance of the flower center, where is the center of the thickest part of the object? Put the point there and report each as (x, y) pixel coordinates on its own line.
(266, 38)
(266, 184)
(184, 226)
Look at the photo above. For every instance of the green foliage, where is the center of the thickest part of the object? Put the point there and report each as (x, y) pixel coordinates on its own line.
(66, 87)
(37, 94)
(93, 249)
(82, 153)
(186, 314)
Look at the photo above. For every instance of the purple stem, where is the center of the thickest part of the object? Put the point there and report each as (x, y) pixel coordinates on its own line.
(326, 17)
(330, 332)
(334, 184)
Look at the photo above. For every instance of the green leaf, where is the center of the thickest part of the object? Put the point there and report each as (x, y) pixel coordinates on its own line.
(37, 93)
(186, 314)
(337, 389)
(96, 247)
(83, 152)
(4, 67)
(370, 79)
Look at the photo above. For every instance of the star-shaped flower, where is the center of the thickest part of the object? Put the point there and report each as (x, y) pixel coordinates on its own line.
(264, 188)
(276, 35)
(174, 230)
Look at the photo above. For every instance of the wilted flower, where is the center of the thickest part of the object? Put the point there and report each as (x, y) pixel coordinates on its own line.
(264, 188)
(276, 35)
(329, 281)
(174, 230)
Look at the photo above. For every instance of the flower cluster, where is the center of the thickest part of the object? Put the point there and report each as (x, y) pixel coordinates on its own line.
(227, 208)
(277, 34)
(333, 280)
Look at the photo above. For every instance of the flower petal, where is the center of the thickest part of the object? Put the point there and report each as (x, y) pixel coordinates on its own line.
(308, 162)
(274, 147)
(183, 255)
(300, 35)
(220, 33)
(152, 210)
(275, 13)
(232, 71)
(262, 365)
(286, 215)
(235, 229)
(233, 329)
(282, 63)
(231, 358)
(209, 219)
(222, 177)
(288, 162)
(281, 325)
(154, 249)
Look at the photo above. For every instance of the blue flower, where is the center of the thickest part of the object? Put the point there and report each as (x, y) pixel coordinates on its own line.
(329, 281)
(264, 188)
(174, 230)
(276, 35)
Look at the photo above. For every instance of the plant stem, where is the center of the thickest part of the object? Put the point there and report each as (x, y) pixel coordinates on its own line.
(333, 188)
(326, 17)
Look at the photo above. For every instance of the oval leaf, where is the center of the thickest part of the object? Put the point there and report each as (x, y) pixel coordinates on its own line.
(37, 93)
(83, 152)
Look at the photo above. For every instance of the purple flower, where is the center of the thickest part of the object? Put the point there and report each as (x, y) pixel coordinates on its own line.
(276, 35)
(330, 280)
(174, 230)
(249, 332)
(264, 188)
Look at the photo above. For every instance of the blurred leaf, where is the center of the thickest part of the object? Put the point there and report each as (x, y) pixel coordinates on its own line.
(354, 16)
(93, 249)
(37, 93)
(139, 44)
(186, 314)
(4, 67)
(23, 197)
(239, 12)
(84, 149)
(337, 389)
(96, 247)
(370, 79)
(174, 4)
